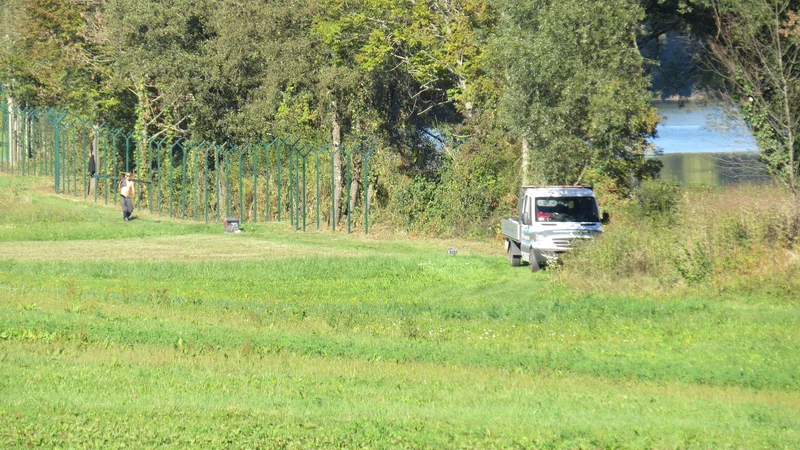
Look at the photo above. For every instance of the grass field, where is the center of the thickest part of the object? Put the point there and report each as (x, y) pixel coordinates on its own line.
(159, 333)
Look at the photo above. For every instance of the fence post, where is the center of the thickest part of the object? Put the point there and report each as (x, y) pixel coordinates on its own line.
(218, 186)
(55, 120)
(43, 160)
(10, 135)
(68, 155)
(84, 161)
(95, 151)
(241, 185)
(21, 130)
(171, 152)
(366, 189)
(305, 156)
(74, 155)
(6, 133)
(22, 163)
(168, 159)
(227, 164)
(205, 180)
(255, 183)
(159, 148)
(195, 153)
(336, 148)
(316, 153)
(349, 183)
(115, 152)
(158, 174)
(127, 153)
(3, 120)
(266, 181)
(149, 145)
(106, 160)
(183, 187)
(300, 197)
(279, 178)
(291, 186)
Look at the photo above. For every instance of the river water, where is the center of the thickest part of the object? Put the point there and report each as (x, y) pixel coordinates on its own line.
(700, 144)
(699, 127)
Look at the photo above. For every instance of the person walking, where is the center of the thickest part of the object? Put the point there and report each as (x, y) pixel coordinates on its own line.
(126, 192)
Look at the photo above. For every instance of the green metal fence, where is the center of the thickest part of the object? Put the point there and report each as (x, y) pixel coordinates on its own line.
(270, 179)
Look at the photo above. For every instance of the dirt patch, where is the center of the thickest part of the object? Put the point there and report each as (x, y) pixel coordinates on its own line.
(168, 248)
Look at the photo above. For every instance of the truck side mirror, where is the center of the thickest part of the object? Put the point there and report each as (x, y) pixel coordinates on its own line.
(526, 218)
(605, 219)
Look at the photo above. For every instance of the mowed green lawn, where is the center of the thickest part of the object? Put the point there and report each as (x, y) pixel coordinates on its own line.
(174, 334)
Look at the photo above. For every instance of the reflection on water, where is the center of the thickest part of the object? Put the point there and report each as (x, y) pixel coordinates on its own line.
(713, 169)
(700, 144)
(700, 127)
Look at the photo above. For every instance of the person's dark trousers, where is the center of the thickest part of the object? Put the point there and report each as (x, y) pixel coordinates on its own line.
(127, 207)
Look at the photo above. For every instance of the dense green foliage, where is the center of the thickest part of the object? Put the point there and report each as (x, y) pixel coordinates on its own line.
(576, 88)
(420, 81)
(461, 99)
(159, 333)
(48, 55)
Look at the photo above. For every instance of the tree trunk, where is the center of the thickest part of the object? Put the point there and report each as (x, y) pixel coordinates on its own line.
(338, 181)
(15, 142)
(354, 184)
(27, 126)
(142, 126)
(354, 177)
(787, 111)
(11, 136)
(526, 162)
(468, 106)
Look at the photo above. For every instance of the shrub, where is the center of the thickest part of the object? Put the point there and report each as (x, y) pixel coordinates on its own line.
(657, 199)
(716, 237)
(693, 262)
(466, 195)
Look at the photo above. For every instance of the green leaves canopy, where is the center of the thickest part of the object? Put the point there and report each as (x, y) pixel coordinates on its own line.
(755, 51)
(576, 87)
(444, 88)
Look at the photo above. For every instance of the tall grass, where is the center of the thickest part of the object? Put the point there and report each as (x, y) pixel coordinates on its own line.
(743, 239)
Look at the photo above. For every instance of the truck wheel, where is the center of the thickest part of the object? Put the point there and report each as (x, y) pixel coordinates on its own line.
(534, 263)
(513, 260)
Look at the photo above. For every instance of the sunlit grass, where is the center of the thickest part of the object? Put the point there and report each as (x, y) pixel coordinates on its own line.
(175, 334)
(164, 395)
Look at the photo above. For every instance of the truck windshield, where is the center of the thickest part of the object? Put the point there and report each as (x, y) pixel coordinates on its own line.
(566, 209)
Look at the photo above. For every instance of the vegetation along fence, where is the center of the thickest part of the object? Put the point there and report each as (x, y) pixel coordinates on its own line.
(270, 179)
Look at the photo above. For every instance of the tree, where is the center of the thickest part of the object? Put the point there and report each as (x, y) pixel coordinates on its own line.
(156, 52)
(50, 56)
(576, 88)
(756, 54)
(398, 73)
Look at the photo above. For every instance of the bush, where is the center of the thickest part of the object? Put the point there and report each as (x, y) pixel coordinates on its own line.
(657, 199)
(693, 262)
(717, 237)
(465, 196)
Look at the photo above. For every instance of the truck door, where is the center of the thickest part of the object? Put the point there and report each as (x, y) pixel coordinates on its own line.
(526, 220)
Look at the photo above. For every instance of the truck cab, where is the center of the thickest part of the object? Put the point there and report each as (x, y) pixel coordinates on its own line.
(551, 219)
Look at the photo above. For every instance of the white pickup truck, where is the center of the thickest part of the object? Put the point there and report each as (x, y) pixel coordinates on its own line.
(550, 219)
